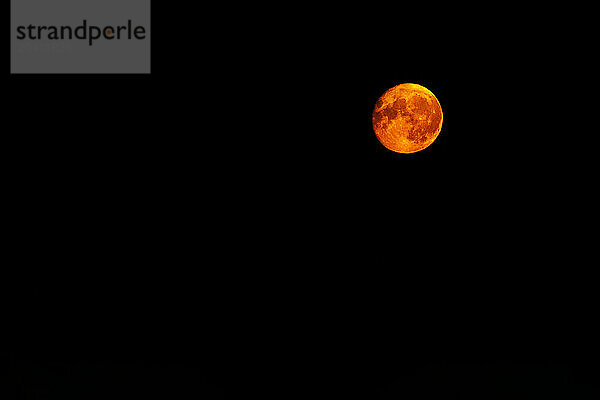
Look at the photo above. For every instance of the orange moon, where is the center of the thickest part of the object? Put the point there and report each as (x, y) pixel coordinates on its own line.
(407, 118)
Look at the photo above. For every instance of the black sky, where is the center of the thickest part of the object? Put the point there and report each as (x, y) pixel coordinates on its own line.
(231, 225)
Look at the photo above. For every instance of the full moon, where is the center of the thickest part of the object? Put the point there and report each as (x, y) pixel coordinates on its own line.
(407, 118)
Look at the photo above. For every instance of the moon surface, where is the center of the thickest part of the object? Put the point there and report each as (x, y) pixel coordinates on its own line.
(407, 118)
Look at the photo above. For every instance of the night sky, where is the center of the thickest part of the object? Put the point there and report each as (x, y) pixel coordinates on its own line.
(230, 226)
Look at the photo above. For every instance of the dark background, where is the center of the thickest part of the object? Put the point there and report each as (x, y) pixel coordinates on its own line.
(230, 225)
